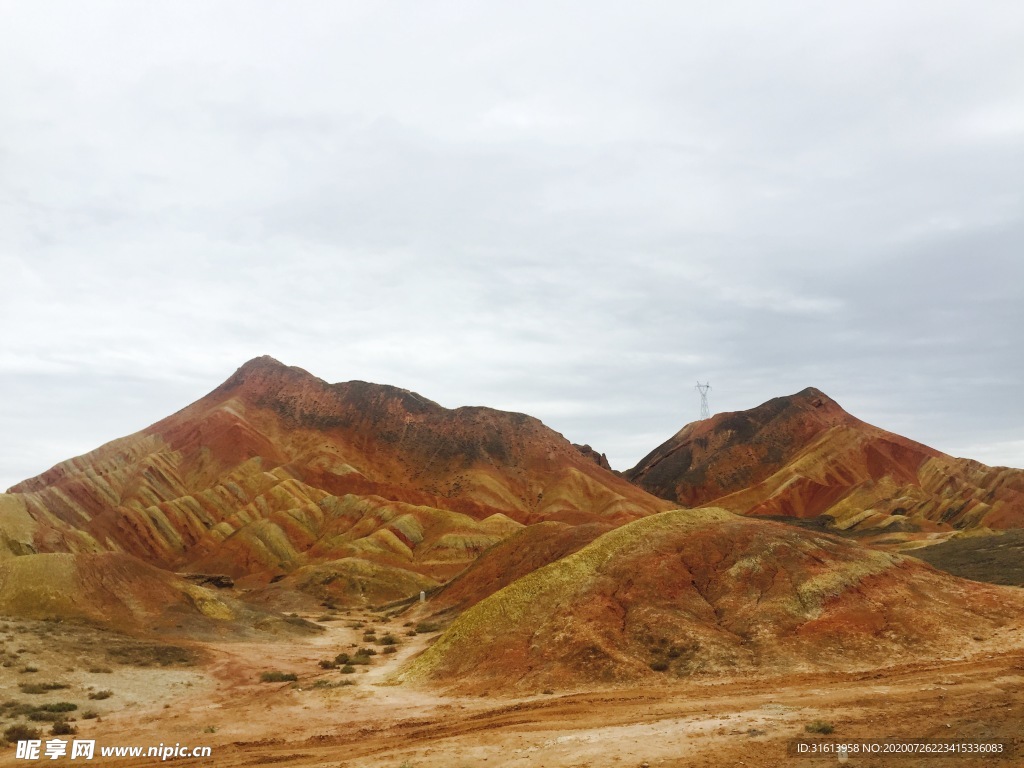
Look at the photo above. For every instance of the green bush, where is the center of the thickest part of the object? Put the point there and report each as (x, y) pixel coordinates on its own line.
(348, 669)
(40, 716)
(424, 627)
(100, 695)
(388, 639)
(278, 677)
(63, 728)
(16, 733)
(59, 706)
(819, 726)
(331, 683)
(48, 713)
(341, 658)
(139, 654)
(327, 664)
(41, 687)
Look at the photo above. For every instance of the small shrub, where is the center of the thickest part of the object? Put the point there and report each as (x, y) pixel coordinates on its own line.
(425, 627)
(29, 670)
(63, 728)
(16, 709)
(278, 677)
(39, 716)
(100, 695)
(819, 726)
(328, 664)
(59, 706)
(41, 687)
(139, 654)
(659, 666)
(388, 639)
(89, 714)
(100, 670)
(341, 658)
(366, 652)
(391, 649)
(16, 733)
(348, 669)
(322, 684)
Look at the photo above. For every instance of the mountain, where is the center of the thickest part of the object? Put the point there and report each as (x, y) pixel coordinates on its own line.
(709, 593)
(803, 456)
(276, 472)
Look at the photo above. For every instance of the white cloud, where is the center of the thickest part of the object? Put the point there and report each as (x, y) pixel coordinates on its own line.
(571, 214)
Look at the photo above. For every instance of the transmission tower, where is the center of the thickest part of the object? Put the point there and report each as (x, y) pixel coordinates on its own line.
(705, 411)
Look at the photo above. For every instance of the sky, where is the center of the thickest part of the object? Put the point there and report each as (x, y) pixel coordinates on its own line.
(572, 210)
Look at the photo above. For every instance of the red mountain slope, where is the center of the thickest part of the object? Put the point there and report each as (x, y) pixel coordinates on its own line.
(707, 592)
(803, 456)
(276, 470)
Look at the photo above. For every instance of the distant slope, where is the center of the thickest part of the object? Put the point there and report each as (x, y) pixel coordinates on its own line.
(706, 592)
(996, 559)
(523, 552)
(277, 470)
(123, 593)
(803, 456)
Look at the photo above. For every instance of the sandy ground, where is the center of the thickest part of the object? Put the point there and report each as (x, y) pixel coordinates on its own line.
(221, 703)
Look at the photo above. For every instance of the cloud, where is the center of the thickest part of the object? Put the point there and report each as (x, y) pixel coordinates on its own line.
(570, 214)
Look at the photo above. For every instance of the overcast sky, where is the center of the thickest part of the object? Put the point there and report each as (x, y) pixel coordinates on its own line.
(575, 210)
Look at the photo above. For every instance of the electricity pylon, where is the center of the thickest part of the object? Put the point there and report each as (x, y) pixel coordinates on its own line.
(705, 411)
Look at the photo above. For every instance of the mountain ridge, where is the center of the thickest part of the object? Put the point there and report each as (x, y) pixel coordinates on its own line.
(803, 456)
(276, 470)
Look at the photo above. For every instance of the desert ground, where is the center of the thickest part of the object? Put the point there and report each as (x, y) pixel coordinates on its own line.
(211, 694)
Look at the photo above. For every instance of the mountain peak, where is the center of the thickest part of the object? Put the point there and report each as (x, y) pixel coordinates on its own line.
(711, 458)
(803, 456)
(807, 398)
(265, 364)
(263, 361)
